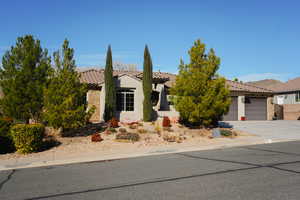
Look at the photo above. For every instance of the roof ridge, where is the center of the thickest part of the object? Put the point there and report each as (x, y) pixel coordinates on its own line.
(246, 84)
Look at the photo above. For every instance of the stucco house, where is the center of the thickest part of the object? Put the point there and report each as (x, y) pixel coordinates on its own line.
(248, 102)
(288, 96)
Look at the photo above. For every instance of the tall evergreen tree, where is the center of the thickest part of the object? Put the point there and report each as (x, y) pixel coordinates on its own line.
(23, 76)
(110, 88)
(147, 86)
(200, 94)
(65, 105)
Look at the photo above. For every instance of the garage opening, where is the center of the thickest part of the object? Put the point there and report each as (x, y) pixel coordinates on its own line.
(232, 114)
(256, 108)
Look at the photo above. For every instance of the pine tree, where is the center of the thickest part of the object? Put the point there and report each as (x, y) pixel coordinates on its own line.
(23, 76)
(147, 86)
(65, 105)
(200, 94)
(110, 88)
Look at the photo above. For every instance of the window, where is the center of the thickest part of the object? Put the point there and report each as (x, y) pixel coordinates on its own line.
(247, 100)
(297, 96)
(125, 100)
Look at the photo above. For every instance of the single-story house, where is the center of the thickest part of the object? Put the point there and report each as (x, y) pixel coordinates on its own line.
(288, 96)
(249, 102)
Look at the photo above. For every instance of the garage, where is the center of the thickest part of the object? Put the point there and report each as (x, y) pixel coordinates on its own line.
(232, 114)
(256, 108)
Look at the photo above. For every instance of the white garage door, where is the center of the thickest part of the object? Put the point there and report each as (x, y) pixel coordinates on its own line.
(256, 108)
(232, 114)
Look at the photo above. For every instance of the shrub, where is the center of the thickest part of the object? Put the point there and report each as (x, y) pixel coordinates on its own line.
(112, 130)
(114, 123)
(27, 137)
(6, 143)
(5, 124)
(142, 131)
(157, 129)
(122, 130)
(166, 122)
(226, 133)
(133, 126)
(96, 137)
(128, 136)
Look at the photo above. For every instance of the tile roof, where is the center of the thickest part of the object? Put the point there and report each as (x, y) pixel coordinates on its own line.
(96, 77)
(92, 76)
(237, 86)
(289, 86)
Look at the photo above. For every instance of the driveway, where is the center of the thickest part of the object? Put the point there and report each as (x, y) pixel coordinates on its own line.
(274, 130)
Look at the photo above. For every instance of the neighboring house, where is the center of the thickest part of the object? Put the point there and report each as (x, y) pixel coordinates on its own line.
(288, 95)
(253, 103)
(249, 102)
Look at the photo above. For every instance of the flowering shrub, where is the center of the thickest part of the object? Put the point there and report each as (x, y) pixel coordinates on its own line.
(114, 123)
(166, 122)
(96, 137)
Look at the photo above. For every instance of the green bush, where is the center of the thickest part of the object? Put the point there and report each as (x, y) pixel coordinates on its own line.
(226, 133)
(28, 137)
(6, 143)
(5, 124)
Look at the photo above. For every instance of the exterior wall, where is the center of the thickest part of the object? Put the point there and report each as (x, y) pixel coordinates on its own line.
(291, 111)
(287, 98)
(270, 108)
(93, 99)
(241, 107)
(129, 82)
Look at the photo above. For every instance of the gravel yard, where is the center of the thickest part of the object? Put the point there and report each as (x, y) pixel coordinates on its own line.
(79, 144)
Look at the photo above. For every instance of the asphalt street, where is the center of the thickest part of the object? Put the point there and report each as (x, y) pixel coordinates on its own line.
(269, 171)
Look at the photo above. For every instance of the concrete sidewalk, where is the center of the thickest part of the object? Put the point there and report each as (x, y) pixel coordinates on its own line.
(38, 161)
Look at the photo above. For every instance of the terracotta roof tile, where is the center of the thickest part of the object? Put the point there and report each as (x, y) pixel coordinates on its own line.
(289, 86)
(96, 76)
(237, 86)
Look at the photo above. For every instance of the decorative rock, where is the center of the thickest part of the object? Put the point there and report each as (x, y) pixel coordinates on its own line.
(216, 133)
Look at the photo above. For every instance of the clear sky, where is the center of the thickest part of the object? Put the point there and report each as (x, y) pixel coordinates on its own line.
(255, 39)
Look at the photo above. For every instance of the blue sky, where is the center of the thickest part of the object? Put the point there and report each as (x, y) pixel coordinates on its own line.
(255, 39)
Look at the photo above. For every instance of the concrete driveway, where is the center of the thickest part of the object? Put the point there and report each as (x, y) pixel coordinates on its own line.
(274, 130)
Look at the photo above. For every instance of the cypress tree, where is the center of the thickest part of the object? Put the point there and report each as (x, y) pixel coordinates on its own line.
(110, 89)
(147, 86)
(23, 77)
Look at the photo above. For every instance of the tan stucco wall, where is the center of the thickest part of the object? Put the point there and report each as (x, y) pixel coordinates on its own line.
(291, 111)
(93, 99)
(132, 83)
(127, 82)
(241, 107)
(270, 108)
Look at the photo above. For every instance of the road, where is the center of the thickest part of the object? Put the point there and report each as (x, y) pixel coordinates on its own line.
(269, 171)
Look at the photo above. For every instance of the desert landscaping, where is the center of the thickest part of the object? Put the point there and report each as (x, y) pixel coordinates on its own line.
(116, 138)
